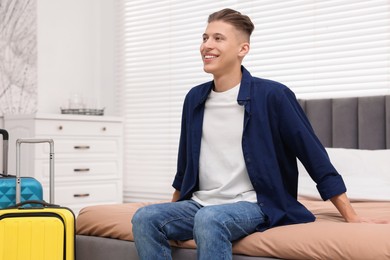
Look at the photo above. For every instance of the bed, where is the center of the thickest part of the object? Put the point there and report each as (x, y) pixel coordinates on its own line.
(356, 134)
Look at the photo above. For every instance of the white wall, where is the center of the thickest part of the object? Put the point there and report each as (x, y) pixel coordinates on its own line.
(75, 53)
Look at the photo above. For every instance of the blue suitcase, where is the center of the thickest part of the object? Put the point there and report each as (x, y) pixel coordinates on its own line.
(31, 189)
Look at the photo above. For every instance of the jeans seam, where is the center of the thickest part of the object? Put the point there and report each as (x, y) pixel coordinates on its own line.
(227, 222)
(171, 220)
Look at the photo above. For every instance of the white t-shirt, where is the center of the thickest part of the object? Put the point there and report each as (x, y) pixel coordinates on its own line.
(223, 177)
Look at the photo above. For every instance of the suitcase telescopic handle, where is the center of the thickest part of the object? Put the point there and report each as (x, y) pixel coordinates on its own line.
(5, 135)
(51, 161)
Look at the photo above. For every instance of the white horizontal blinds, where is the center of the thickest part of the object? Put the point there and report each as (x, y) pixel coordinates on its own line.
(148, 115)
(317, 48)
(161, 63)
(119, 60)
(323, 48)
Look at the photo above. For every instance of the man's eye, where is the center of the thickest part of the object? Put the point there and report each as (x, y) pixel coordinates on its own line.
(204, 38)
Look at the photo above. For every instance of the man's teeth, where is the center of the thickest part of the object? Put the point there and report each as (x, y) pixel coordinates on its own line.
(210, 56)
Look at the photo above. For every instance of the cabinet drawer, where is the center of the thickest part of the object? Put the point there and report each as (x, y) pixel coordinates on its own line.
(77, 128)
(77, 170)
(85, 193)
(79, 147)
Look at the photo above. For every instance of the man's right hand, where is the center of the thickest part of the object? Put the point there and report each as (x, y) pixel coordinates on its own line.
(175, 196)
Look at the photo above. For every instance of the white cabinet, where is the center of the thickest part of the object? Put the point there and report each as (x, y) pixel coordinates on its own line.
(87, 155)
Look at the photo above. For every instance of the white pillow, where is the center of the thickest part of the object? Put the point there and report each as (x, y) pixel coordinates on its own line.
(366, 174)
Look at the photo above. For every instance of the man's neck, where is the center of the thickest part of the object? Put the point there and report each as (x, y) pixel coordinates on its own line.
(227, 81)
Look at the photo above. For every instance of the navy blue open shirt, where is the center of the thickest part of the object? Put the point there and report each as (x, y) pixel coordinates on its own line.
(276, 132)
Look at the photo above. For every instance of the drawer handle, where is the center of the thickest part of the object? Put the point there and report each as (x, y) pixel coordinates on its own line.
(83, 195)
(81, 170)
(81, 147)
(104, 128)
(60, 127)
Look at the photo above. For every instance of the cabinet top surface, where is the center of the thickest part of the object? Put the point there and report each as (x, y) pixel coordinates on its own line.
(63, 117)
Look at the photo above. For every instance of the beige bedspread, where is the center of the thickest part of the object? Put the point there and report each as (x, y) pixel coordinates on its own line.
(329, 237)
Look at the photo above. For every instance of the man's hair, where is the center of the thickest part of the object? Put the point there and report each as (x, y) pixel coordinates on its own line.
(239, 21)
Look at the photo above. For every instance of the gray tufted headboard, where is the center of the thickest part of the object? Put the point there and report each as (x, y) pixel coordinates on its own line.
(355, 122)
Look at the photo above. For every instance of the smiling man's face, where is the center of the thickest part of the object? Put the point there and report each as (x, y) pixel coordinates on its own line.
(222, 48)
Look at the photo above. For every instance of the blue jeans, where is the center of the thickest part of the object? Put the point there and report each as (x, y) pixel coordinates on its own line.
(212, 227)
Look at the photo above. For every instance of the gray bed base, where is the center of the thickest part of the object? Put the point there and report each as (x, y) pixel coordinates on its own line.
(358, 122)
(98, 248)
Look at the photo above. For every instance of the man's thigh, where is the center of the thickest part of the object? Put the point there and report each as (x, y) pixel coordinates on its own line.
(240, 218)
(174, 219)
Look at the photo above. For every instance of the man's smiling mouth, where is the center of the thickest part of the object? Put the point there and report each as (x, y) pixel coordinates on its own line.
(209, 56)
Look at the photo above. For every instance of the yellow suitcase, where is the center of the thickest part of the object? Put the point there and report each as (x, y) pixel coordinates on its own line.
(43, 232)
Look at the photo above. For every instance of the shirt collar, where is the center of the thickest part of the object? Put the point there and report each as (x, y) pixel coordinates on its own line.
(243, 94)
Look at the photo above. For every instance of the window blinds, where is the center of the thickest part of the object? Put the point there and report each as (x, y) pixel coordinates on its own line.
(317, 48)
(323, 48)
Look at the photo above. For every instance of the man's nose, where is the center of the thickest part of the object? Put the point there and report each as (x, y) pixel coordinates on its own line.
(207, 44)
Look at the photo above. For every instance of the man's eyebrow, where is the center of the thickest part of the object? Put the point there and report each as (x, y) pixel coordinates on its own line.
(218, 34)
(214, 35)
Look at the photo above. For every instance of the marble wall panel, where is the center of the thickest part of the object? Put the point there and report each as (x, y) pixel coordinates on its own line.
(18, 56)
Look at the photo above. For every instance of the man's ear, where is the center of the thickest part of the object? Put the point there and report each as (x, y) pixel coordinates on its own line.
(244, 49)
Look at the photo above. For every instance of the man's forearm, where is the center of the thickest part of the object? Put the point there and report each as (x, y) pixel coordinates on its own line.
(343, 205)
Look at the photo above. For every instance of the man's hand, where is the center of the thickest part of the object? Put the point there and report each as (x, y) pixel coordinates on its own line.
(345, 208)
(359, 219)
(175, 196)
